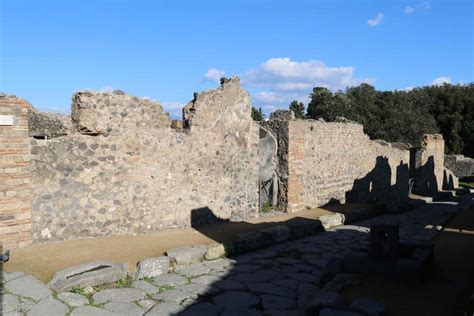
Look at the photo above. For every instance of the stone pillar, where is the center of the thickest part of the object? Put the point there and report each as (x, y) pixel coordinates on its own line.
(15, 194)
(429, 164)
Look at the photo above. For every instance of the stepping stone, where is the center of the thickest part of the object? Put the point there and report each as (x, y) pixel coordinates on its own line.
(202, 309)
(73, 299)
(129, 309)
(118, 295)
(49, 306)
(152, 267)
(230, 285)
(187, 254)
(193, 270)
(88, 274)
(368, 307)
(273, 302)
(9, 303)
(165, 309)
(268, 288)
(236, 299)
(170, 279)
(173, 296)
(91, 311)
(145, 286)
(214, 251)
(234, 311)
(28, 286)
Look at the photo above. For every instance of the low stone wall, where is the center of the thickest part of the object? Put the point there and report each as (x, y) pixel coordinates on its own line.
(462, 167)
(15, 211)
(127, 171)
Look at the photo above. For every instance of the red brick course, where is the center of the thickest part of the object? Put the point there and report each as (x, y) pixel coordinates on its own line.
(15, 191)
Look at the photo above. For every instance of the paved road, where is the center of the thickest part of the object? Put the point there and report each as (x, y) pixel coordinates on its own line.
(278, 280)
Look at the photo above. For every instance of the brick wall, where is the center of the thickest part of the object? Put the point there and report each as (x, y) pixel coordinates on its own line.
(15, 211)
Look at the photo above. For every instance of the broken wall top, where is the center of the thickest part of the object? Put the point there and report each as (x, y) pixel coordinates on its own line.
(105, 113)
(228, 105)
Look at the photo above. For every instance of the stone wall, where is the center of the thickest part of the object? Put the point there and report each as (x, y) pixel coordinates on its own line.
(337, 161)
(45, 125)
(429, 165)
(125, 170)
(278, 125)
(15, 211)
(462, 167)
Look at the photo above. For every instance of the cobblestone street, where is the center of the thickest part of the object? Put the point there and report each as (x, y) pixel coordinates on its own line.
(283, 279)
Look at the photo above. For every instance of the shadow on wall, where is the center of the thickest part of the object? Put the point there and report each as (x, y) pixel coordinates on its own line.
(376, 186)
(448, 181)
(425, 178)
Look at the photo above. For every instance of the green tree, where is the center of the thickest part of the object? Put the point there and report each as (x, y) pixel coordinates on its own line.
(297, 108)
(257, 115)
(320, 104)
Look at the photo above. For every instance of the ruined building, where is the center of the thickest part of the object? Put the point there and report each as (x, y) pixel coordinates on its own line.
(119, 165)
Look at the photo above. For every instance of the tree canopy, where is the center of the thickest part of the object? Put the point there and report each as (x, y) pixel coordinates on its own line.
(404, 116)
(297, 108)
(257, 115)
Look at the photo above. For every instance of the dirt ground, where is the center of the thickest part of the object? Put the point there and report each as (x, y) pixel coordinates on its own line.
(448, 290)
(44, 260)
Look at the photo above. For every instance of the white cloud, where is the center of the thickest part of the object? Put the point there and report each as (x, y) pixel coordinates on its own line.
(421, 6)
(441, 80)
(278, 81)
(267, 97)
(375, 21)
(409, 10)
(175, 109)
(214, 74)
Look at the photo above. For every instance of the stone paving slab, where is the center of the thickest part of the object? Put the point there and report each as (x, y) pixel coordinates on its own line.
(283, 279)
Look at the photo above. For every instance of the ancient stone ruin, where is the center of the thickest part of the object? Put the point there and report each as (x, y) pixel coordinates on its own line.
(119, 165)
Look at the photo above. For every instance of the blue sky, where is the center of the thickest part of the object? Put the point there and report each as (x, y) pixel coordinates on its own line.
(166, 50)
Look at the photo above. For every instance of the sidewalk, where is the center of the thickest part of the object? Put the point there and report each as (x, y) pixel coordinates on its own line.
(43, 260)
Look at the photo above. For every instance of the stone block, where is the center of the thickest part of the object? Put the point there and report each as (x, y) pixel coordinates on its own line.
(187, 254)
(331, 220)
(215, 251)
(88, 274)
(152, 267)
